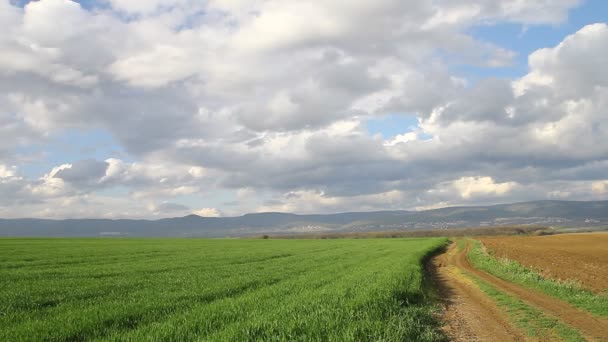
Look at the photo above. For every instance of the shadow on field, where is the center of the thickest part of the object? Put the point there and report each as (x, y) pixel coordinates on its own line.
(436, 284)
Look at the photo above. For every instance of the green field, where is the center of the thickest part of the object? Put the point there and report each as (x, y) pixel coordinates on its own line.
(215, 290)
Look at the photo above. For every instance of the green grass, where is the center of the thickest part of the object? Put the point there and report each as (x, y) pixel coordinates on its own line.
(529, 319)
(461, 243)
(215, 290)
(513, 271)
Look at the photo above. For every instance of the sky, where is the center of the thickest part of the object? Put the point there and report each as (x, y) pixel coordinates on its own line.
(164, 108)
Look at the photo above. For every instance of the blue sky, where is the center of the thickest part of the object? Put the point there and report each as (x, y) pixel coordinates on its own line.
(71, 145)
(77, 144)
(519, 38)
(247, 106)
(522, 39)
(525, 39)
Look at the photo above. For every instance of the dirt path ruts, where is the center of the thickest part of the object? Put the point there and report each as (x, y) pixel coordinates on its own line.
(593, 328)
(469, 314)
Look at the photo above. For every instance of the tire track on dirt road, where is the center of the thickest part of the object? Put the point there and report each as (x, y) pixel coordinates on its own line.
(592, 327)
(469, 314)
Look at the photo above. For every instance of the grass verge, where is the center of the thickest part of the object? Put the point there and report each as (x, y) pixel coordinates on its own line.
(515, 272)
(527, 318)
(461, 243)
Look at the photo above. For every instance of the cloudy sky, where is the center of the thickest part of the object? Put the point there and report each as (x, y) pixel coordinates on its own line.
(158, 108)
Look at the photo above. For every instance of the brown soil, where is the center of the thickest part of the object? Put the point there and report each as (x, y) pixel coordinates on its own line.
(582, 258)
(471, 316)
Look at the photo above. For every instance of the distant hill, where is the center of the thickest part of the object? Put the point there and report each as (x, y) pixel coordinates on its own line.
(549, 213)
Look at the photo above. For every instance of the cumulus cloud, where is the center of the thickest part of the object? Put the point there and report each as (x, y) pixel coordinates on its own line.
(562, 68)
(600, 187)
(472, 186)
(258, 105)
(208, 212)
(7, 172)
(82, 172)
(310, 202)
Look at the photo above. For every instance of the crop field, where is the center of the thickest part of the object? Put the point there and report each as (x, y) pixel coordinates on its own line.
(219, 290)
(581, 258)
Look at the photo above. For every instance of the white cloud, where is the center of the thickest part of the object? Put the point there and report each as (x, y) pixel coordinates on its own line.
(311, 201)
(162, 65)
(562, 68)
(139, 7)
(469, 187)
(197, 172)
(255, 99)
(7, 172)
(49, 185)
(600, 187)
(40, 25)
(402, 138)
(208, 212)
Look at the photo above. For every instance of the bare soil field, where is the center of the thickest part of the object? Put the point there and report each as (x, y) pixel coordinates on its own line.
(579, 257)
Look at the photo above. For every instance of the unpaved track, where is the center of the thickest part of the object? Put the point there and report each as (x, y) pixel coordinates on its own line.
(469, 314)
(591, 327)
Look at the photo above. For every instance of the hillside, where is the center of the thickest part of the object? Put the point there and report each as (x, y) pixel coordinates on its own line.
(550, 213)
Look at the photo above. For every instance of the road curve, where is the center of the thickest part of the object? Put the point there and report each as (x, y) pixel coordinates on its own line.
(446, 268)
(591, 327)
(469, 315)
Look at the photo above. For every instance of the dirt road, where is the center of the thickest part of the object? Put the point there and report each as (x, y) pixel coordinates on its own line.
(469, 314)
(472, 316)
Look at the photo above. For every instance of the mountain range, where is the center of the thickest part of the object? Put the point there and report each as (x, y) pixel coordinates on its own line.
(547, 213)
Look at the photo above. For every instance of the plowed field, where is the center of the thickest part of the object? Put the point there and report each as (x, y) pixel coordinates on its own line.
(579, 257)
